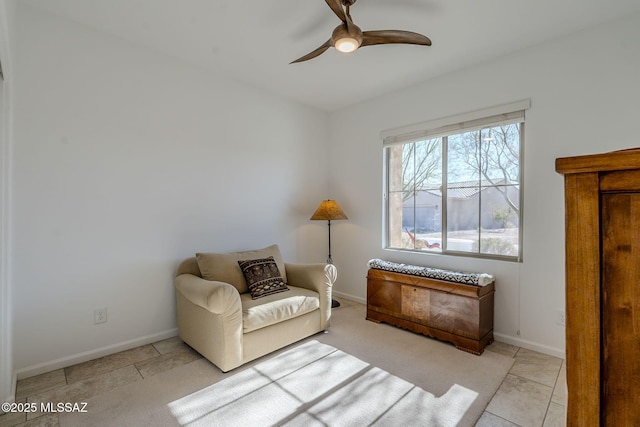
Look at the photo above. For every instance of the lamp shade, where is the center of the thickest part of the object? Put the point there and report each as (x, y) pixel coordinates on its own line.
(328, 210)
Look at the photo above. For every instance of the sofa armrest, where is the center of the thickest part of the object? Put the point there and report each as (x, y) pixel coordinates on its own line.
(315, 277)
(216, 297)
(310, 276)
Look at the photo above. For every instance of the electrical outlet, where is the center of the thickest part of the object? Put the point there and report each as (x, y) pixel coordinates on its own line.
(99, 316)
(560, 320)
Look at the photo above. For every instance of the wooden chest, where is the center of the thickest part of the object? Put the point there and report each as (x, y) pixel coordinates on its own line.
(458, 313)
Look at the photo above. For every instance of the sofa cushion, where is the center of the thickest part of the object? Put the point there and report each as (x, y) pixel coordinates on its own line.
(223, 267)
(262, 276)
(276, 308)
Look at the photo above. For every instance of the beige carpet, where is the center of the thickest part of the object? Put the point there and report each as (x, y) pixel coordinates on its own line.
(365, 366)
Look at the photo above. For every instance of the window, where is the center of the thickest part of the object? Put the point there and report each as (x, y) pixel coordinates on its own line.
(455, 186)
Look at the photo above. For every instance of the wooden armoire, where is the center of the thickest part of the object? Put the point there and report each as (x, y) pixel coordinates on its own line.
(602, 220)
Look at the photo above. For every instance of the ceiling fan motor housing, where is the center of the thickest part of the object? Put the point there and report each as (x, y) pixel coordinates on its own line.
(341, 32)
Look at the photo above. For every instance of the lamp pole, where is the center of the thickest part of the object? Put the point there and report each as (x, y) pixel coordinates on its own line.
(329, 260)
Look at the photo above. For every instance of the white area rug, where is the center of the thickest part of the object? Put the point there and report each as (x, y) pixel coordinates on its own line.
(316, 384)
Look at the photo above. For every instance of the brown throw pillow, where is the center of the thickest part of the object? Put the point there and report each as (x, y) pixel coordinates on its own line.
(263, 277)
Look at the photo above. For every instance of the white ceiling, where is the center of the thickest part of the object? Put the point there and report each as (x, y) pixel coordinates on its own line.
(254, 40)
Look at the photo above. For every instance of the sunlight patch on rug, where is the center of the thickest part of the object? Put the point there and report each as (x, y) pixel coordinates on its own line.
(315, 384)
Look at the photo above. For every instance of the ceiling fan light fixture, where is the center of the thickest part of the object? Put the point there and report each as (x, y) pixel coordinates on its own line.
(346, 44)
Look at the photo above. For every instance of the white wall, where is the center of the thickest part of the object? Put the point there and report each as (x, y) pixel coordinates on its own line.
(126, 162)
(7, 383)
(585, 98)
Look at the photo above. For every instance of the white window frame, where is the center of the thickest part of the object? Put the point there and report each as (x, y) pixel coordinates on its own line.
(494, 116)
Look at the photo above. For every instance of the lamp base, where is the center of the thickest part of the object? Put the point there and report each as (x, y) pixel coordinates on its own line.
(334, 303)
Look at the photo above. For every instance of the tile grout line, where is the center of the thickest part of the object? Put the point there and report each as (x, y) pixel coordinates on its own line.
(534, 381)
(551, 397)
(505, 419)
(138, 369)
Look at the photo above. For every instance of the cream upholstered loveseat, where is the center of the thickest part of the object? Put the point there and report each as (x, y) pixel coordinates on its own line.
(218, 317)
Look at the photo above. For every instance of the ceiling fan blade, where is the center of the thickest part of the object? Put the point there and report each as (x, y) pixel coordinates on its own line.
(336, 6)
(370, 38)
(319, 51)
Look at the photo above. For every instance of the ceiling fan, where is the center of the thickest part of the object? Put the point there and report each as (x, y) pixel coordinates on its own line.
(348, 37)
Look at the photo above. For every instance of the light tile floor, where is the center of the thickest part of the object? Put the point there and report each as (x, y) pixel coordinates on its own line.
(532, 394)
(80, 382)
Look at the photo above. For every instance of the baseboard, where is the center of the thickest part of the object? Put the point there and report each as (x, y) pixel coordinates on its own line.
(529, 345)
(64, 362)
(350, 297)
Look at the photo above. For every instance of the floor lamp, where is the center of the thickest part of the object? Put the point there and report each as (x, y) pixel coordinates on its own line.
(329, 211)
